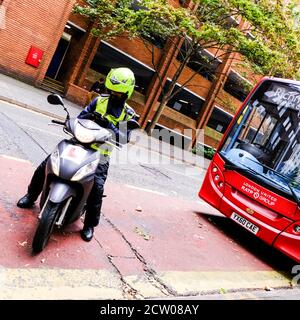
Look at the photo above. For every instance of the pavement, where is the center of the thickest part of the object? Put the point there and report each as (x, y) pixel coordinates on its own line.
(148, 245)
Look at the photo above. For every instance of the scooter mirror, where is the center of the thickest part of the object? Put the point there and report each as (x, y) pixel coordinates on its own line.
(55, 99)
(133, 124)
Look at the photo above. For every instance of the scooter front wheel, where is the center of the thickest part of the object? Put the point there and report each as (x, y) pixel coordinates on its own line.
(45, 226)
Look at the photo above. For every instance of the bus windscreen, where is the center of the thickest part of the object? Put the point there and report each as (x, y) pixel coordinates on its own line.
(265, 138)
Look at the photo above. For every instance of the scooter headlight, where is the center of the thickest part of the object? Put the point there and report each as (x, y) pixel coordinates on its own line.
(83, 134)
(55, 161)
(86, 170)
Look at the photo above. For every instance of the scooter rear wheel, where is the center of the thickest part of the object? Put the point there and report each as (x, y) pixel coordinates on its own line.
(45, 226)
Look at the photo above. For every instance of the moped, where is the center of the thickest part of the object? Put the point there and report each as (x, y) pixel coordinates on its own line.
(69, 173)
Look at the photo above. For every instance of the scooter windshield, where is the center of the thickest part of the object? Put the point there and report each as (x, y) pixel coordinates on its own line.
(85, 130)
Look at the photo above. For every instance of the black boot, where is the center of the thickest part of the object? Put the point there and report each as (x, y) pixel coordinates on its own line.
(87, 233)
(26, 202)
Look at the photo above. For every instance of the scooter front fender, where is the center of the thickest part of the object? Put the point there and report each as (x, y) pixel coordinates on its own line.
(60, 191)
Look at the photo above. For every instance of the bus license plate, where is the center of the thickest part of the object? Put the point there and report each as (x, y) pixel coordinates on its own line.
(245, 223)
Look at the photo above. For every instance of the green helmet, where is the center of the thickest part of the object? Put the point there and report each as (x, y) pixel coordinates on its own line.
(120, 80)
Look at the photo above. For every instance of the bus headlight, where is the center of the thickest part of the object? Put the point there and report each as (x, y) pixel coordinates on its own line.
(217, 177)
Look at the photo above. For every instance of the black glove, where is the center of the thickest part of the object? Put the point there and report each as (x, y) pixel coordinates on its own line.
(88, 116)
(103, 122)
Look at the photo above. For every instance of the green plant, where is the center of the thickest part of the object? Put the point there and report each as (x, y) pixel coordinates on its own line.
(204, 151)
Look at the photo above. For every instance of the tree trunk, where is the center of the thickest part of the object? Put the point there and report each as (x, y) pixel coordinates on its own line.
(157, 115)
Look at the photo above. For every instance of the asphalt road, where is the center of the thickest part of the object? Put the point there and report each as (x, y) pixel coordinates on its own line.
(27, 135)
(177, 242)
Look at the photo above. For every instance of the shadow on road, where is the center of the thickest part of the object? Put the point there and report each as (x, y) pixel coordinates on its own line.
(249, 242)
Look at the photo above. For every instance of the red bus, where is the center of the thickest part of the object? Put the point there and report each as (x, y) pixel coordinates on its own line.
(254, 176)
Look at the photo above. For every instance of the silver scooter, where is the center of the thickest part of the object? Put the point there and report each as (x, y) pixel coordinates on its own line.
(69, 175)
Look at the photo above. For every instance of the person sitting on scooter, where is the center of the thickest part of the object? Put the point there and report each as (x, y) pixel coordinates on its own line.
(114, 110)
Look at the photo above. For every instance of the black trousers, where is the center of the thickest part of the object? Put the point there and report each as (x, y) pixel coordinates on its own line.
(94, 201)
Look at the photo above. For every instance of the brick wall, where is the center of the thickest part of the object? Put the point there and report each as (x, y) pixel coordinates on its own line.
(41, 23)
(77, 95)
(170, 118)
(78, 19)
(37, 23)
(198, 84)
(130, 47)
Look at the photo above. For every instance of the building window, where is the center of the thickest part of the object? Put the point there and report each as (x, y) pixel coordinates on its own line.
(219, 120)
(236, 86)
(185, 102)
(155, 40)
(108, 57)
(250, 36)
(231, 22)
(202, 61)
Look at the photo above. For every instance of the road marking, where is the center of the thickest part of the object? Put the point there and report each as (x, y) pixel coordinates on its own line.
(73, 284)
(147, 190)
(36, 112)
(183, 174)
(185, 283)
(15, 159)
(41, 130)
(26, 108)
(40, 283)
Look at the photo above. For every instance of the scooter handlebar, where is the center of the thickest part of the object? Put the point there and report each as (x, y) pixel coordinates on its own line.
(58, 122)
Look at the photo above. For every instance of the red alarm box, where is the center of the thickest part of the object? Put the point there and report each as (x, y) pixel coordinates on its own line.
(34, 56)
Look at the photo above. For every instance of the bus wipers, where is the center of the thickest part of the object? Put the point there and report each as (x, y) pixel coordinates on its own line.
(292, 189)
(228, 166)
(297, 199)
(287, 180)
